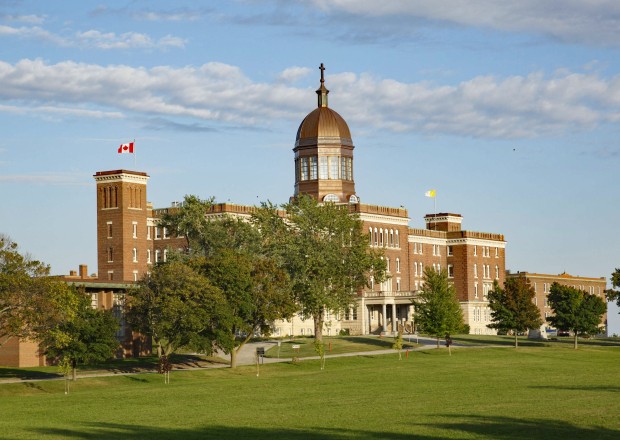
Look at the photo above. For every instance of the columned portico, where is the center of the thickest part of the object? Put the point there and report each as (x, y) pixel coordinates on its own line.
(384, 311)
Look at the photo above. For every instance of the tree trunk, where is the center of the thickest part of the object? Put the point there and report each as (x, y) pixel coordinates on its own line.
(73, 370)
(575, 340)
(437, 341)
(318, 327)
(233, 358)
(516, 339)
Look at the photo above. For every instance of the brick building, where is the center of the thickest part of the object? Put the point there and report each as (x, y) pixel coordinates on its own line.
(129, 240)
(541, 283)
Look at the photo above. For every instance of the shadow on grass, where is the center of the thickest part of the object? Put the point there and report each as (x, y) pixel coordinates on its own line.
(502, 428)
(23, 374)
(509, 428)
(116, 431)
(594, 389)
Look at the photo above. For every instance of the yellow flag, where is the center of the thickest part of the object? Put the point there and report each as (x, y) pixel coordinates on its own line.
(431, 193)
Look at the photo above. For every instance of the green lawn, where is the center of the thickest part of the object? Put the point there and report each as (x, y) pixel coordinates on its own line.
(493, 393)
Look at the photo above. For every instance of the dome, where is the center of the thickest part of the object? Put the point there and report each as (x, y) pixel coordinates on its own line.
(323, 122)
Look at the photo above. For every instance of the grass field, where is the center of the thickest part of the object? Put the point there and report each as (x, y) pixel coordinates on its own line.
(495, 393)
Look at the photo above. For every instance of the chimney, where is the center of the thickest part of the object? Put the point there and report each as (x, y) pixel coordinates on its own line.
(83, 271)
(72, 273)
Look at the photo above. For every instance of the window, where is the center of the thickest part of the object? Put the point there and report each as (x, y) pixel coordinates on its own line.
(415, 248)
(323, 174)
(166, 233)
(370, 235)
(109, 229)
(135, 255)
(476, 290)
(333, 198)
(157, 233)
(496, 272)
(450, 271)
(376, 238)
(110, 255)
(475, 250)
(391, 238)
(449, 251)
(334, 168)
(398, 284)
(372, 282)
(381, 237)
(157, 255)
(313, 168)
(397, 265)
(304, 168)
(148, 232)
(135, 275)
(387, 264)
(475, 271)
(396, 239)
(110, 275)
(496, 252)
(165, 255)
(135, 229)
(546, 302)
(420, 250)
(415, 269)
(148, 256)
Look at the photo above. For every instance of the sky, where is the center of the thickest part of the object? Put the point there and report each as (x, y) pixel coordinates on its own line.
(509, 110)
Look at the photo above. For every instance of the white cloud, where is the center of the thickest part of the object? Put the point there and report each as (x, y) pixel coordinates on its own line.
(293, 74)
(484, 106)
(592, 22)
(31, 19)
(95, 39)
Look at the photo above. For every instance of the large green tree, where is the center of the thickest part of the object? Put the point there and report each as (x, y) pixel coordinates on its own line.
(326, 253)
(177, 306)
(31, 302)
(575, 310)
(437, 309)
(613, 294)
(84, 336)
(234, 255)
(257, 293)
(512, 308)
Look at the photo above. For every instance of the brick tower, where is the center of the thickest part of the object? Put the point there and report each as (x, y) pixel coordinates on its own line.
(324, 154)
(121, 225)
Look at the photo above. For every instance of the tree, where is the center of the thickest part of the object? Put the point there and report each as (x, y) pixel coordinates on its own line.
(31, 302)
(437, 309)
(613, 294)
(326, 254)
(177, 306)
(257, 293)
(84, 336)
(512, 308)
(575, 310)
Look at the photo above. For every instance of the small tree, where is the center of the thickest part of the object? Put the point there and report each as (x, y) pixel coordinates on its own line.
(613, 294)
(512, 308)
(575, 310)
(177, 307)
(437, 309)
(398, 342)
(85, 336)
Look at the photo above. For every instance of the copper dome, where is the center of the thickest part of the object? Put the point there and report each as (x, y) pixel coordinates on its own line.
(323, 122)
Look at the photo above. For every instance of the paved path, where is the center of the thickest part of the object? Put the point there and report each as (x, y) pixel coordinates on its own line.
(247, 356)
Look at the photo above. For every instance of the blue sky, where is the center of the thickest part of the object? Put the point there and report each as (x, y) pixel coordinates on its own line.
(510, 110)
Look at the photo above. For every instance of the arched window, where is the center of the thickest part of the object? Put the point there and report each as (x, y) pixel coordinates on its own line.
(370, 235)
(391, 238)
(381, 237)
(376, 238)
(398, 265)
(331, 198)
(397, 242)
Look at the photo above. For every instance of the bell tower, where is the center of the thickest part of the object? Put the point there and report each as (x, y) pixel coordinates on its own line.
(324, 154)
(122, 245)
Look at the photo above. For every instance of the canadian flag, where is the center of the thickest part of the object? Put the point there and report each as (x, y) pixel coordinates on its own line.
(126, 148)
